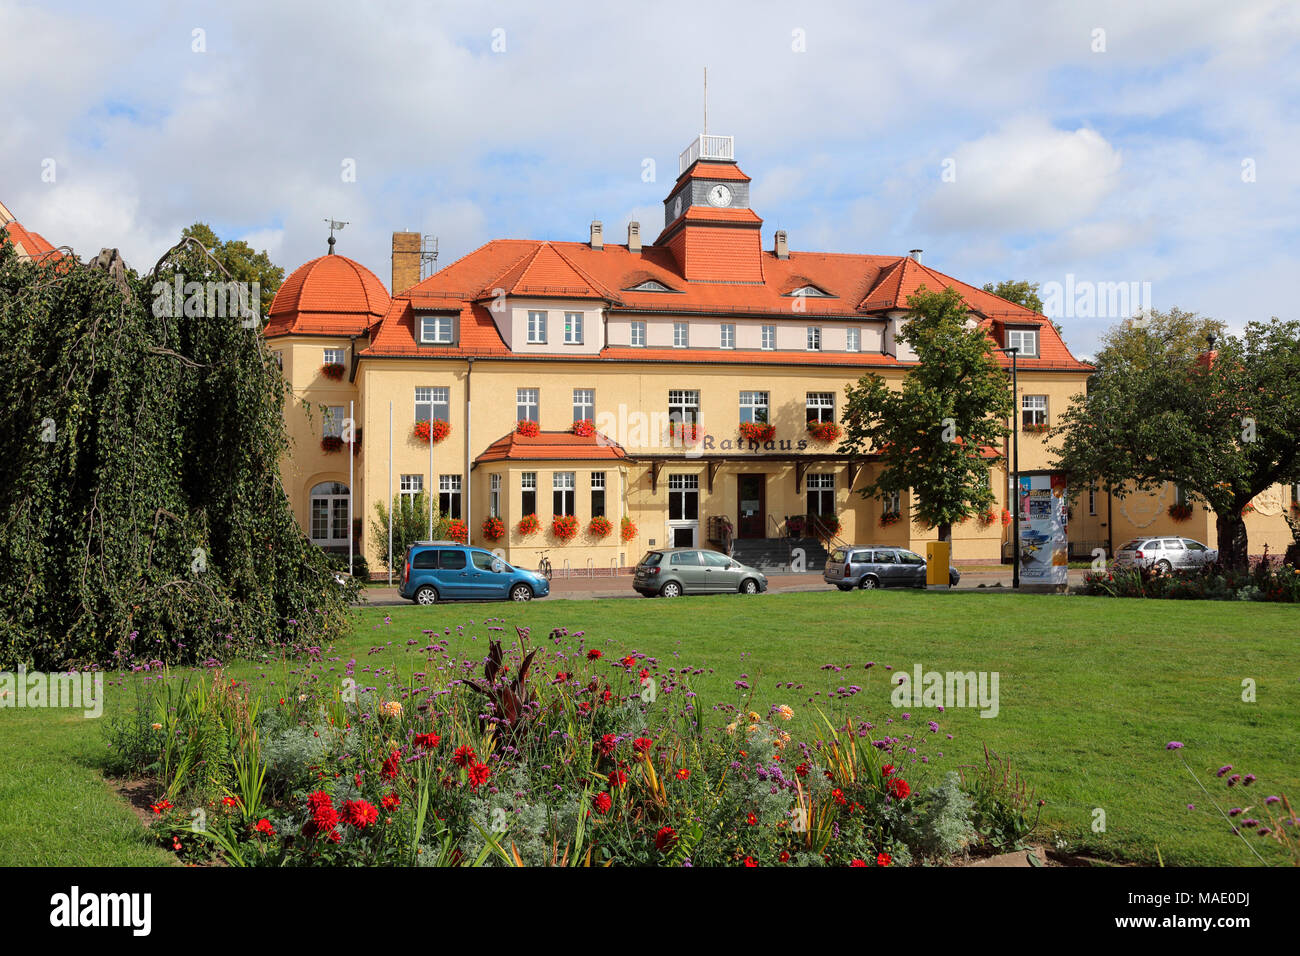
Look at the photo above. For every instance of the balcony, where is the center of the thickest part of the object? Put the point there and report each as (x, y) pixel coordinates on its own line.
(706, 146)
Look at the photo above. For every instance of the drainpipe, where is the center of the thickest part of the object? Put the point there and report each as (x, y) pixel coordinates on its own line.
(469, 485)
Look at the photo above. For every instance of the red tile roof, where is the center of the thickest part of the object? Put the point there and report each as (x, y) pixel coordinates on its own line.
(703, 169)
(552, 446)
(332, 295)
(30, 245)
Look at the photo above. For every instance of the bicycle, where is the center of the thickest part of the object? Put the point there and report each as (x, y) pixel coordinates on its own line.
(544, 565)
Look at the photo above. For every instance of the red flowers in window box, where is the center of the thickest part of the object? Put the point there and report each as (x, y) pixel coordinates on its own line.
(824, 431)
(1180, 512)
(599, 527)
(584, 427)
(333, 370)
(528, 524)
(757, 431)
(628, 530)
(890, 518)
(1006, 517)
(526, 428)
(564, 527)
(493, 528)
(434, 431)
(457, 530)
(688, 432)
(988, 517)
(1037, 428)
(330, 444)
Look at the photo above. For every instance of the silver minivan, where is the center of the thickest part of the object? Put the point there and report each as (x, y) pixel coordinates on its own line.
(866, 566)
(1164, 554)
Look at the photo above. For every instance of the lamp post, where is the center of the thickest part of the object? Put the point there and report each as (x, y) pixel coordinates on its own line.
(1015, 469)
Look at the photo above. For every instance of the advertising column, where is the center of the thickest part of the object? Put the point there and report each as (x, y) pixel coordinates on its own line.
(1044, 548)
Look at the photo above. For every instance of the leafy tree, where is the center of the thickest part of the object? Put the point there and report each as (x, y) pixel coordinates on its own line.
(241, 261)
(1221, 427)
(410, 524)
(931, 432)
(1022, 292)
(142, 514)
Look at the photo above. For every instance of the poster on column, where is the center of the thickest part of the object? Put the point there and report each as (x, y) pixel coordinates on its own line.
(1044, 547)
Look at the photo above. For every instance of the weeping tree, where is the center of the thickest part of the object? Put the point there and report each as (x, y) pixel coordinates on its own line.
(141, 430)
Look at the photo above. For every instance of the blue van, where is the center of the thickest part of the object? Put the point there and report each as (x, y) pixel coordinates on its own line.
(449, 571)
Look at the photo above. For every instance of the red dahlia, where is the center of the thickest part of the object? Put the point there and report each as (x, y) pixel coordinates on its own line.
(899, 788)
(883, 859)
(665, 838)
(603, 803)
(642, 745)
(391, 801)
(359, 813)
(607, 744)
(391, 764)
(427, 741)
(593, 655)
(464, 755)
(478, 774)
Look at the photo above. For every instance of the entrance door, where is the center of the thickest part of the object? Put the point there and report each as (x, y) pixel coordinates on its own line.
(751, 495)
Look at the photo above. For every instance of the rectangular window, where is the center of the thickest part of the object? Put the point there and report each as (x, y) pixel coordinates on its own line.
(854, 342)
(528, 490)
(449, 495)
(753, 407)
(638, 335)
(821, 494)
(681, 335)
(411, 485)
(334, 356)
(1092, 501)
(890, 504)
(814, 339)
(437, 329)
(1026, 340)
(821, 407)
(769, 338)
(526, 404)
(536, 328)
(1295, 495)
(572, 328)
(683, 497)
(684, 405)
(727, 337)
(332, 423)
(562, 487)
(597, 493)
(432, 402)
(584, 404)
(1034, 410)
(494, 496)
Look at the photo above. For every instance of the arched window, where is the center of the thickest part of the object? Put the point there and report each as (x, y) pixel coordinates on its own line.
(329, 513)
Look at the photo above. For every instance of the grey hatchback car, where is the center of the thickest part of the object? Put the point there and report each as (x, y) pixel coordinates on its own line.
(672, 572)
(866, 566)
(1164, 554)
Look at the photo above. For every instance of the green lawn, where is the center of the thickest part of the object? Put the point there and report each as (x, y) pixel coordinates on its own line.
(1091, 690)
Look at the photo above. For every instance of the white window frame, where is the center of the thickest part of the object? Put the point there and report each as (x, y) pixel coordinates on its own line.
(528, 483)
(681, 335)
(437, 329)
(573, 328)
(584, 400)
(449, 493)
(1033, 410)
(598, 485)
(332, 421)
(409, 486)
(682, 488)
(819, 406)
(1026, 340)
(332, 502)
(814, 338)
(1092, 501)
(335, 356)
(755, 407)
(529, 401)
(430, 400)
(494, 496)
(685, 404)
(536, 327)
(853, 342)
(638, 335)
(767, 338)
(727, 336)
(564, 485)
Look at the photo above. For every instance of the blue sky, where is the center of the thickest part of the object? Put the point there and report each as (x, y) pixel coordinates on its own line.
(1103, 141)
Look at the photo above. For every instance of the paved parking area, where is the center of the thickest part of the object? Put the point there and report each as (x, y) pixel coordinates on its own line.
(620, 586)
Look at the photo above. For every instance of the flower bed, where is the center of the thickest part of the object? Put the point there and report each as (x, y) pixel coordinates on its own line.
(627, 530)
(493, 528)
(584, 427)
(528, 525)
(564, 527)
(434, 431)
(824, 431)
(526, 428)
(757, 431)
(333, 370)
(599, 527)
(1267, 581)
(550, 754)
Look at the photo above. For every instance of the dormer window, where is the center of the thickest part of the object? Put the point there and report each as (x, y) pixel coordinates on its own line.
(650, 285)
(809, 290)
(437, 329)
(1026, 340)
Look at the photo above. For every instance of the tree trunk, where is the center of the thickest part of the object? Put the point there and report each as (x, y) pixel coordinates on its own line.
(1234, 549)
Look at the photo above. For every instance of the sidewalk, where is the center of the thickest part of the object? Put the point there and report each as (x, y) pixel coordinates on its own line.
(620, 585)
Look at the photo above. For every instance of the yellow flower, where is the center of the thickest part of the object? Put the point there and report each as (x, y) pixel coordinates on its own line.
(156, 726)
(785, 711)
(752, 727)
(754, 716)
(391, 708)
(731, 727)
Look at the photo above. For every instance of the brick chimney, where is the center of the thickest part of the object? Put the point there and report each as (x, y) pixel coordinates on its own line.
(634, 236)
(597, 235)
(406, 261)
(782, 248)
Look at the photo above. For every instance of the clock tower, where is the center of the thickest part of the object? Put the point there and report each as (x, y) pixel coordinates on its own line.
(708, 225)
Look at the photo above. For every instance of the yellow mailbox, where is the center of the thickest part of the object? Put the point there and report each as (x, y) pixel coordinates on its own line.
(937, 555)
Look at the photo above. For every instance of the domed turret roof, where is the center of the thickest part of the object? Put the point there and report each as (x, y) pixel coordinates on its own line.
(332, 295)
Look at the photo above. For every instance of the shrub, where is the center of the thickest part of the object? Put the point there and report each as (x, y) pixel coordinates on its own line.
(410, 515)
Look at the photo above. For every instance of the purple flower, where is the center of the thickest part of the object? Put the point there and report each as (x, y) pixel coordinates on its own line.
(1173, 745)
(1222, 770)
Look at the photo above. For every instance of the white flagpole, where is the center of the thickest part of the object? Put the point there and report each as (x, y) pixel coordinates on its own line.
(352, 451)
(390, 494)
(430, 470)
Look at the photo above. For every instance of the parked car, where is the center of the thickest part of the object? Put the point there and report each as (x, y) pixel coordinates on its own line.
(868, 566)
(1165, 554)
(672, 572)
(449, 571)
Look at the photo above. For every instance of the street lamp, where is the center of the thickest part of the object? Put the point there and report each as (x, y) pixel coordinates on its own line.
(1015, 469)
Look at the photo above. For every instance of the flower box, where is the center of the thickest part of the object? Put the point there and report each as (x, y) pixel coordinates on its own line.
(564, 527)
(333, 370)
(757, 431)
(529, 524)
(1180, 512)
(493, 528)
(1039, 429)
(457, 530)
(1006, 517)
(628, 530)
(890, 518)
(584, 427)
(526, 428)
(599, 527)
(330, 444)
(688, 432)
(988, 517)
(434, 431)
(824, 431)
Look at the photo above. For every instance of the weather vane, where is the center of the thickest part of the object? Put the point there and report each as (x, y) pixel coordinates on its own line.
(334, 224)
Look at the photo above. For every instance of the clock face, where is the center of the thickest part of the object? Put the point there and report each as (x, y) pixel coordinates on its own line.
(720, 195)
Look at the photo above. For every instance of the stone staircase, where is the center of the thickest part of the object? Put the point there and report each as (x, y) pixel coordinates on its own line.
(774, 554)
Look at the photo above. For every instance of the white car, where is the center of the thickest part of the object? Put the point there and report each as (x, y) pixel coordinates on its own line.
(1165, 554)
